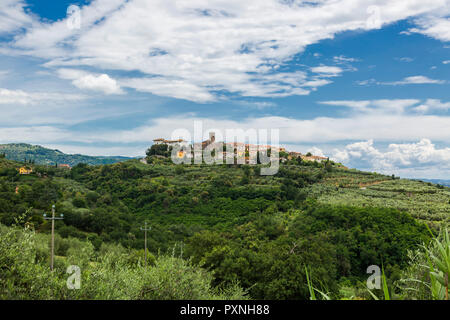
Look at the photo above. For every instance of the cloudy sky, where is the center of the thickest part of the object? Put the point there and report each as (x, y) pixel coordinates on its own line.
(365, 82)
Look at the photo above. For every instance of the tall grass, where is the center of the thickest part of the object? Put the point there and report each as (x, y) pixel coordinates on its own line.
(386, 294)
(325, 296)
(439, 266)
(426, 278)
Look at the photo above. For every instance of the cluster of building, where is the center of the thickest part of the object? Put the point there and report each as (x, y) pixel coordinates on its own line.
(306, 157)
(239, 148)
(169, 142)
(25, 170)
(28, 170)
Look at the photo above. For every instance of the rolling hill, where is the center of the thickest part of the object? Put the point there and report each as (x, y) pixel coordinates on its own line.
(262, 231)
(45, 156)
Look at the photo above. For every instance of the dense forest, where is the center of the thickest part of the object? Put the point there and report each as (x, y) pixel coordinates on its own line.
(225, 229)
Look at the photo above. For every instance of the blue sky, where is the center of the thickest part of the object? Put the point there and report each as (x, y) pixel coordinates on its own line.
(363, 82)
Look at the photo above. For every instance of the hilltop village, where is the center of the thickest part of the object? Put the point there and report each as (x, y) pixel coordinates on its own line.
(239, 149)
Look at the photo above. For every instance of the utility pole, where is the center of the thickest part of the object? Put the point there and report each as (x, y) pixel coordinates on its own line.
(53, 218)
(145, 229)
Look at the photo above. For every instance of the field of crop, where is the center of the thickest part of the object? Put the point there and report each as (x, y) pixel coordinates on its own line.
(422, 200)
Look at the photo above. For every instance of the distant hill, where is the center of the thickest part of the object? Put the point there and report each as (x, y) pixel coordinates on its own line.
(437, 181)
(41, 155)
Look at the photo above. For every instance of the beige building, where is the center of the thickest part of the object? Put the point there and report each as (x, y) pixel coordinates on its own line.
(314, 158)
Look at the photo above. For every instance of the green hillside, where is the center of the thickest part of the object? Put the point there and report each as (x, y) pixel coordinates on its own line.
(45, 156)
(423, 200)
(258, 231)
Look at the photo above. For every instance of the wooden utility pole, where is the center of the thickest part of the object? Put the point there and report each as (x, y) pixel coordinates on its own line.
(53, 218)
(145, 229)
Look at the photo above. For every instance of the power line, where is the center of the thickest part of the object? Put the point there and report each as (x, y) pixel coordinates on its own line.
(145, 229)
(53, 218)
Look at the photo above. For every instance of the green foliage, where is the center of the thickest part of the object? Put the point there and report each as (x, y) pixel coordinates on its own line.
(79, 202)
(426, 276)
(362, 236)
(429, 203)
(312, 290)
(333, 241)
(159, 150)
(20, 276)
(241, 227)
(110, 274)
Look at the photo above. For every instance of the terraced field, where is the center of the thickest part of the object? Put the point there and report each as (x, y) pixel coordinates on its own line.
(422, 200)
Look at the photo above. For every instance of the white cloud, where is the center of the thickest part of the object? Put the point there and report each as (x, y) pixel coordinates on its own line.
(101, 83)
(437, 27)
(257, 104)
(316, 151)
(446, 62)
(319, 130)
(176, 88)
(385, 120)
(13, 16)
(406, 157)
(89, 81)
(375, 106)
(354, 104)
(406, 81)
(415, 80)
(405, 59)
(432, 105)
(385, 126)
(198, 49)
(330, 71)
(25, 98)
(314, 83)
(33, 134)
(20, 108)
(344, 59)
(56, 39)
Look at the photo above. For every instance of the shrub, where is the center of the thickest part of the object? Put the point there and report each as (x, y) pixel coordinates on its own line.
(25, 274)
(79, 202)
